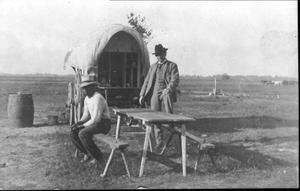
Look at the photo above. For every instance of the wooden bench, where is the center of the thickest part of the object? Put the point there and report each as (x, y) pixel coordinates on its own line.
(115, 145)
(203, 146)
(177, 131)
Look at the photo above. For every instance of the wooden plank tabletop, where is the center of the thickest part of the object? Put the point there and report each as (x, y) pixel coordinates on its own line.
(161, 117)
(153, 116)
(116, 88)
(125, 111)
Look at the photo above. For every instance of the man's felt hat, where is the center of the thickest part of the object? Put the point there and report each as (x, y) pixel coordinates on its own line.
(159, 49)
(87, 81)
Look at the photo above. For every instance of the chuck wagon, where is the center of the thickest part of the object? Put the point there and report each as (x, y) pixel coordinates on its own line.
(117, 58)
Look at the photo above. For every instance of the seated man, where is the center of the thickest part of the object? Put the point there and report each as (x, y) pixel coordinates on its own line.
(95, 119)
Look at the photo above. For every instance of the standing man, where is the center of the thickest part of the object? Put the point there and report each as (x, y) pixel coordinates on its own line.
(159, 87)
(95, 119)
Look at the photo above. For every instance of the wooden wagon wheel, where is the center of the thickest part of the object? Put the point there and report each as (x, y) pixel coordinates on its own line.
(78, 98)
(78, 102)
(71, 102)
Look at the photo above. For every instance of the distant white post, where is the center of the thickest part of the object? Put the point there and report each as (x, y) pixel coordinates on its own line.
(215, 89)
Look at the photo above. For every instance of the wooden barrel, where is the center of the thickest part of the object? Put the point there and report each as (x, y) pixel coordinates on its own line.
(20, 109)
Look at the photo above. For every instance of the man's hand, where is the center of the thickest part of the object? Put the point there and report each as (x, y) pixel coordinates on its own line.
(78, 123)
(76, 126)
(141, 100)
(166, 91)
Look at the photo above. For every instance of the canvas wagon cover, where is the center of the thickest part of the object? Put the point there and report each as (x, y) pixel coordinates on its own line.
(84, 56)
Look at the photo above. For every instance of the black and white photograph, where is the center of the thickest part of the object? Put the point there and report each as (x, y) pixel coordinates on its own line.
(149, 94)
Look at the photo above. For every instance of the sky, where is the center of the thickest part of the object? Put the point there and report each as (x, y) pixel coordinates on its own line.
(202, 37)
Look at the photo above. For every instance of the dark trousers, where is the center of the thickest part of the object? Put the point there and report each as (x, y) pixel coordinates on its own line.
(83, 138)
(160, 102)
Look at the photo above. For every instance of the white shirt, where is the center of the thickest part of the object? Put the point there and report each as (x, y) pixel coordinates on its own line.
(162, 62)
(95, 109)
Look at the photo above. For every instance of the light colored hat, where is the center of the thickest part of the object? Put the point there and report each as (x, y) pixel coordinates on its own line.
(87, 81)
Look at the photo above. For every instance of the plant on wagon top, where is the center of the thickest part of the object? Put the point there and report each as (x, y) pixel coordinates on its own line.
(138, 23)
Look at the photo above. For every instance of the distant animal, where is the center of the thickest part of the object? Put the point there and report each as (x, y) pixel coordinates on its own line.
(277, 83)
(141, 187)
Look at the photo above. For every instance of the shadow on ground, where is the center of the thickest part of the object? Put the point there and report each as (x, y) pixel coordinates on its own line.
(233, 124)
(44, 124)
(227, 157)
(249, 158)
(40, 125)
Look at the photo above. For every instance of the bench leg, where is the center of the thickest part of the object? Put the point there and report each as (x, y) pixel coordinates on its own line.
(118, 126)
(125, 163)
(198, 160)
(108, 163)
(76, 153)
(201, 153)
(212, 159)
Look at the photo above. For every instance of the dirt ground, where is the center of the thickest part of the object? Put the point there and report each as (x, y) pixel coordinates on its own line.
(256, 133)
(41, 157)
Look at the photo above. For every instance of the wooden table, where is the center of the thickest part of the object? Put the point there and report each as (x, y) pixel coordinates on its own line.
(148, 118)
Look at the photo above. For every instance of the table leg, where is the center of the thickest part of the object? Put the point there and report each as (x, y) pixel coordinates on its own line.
(150, 141)
(150, 144)
(183, 147)
(146, 142)
(118, 126)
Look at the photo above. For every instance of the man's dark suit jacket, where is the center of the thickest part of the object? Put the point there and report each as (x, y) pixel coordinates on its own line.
(171, 76)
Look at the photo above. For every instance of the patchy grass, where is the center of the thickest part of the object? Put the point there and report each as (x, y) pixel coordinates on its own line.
(239, 165)
(256, 140)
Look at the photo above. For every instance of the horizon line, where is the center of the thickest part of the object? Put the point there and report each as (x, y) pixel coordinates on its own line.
(194, 75)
